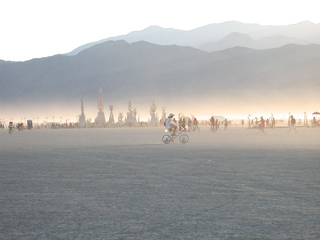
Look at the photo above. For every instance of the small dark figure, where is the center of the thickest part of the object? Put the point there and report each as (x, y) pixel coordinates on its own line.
(292, 123)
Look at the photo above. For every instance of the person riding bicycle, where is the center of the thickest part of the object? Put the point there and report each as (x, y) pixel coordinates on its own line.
(171, 125)
(261, 124)
(212, 122)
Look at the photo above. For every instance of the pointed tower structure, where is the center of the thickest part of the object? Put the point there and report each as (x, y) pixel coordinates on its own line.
(131, 120)
(82, 117)
(154, 119)
(100, 120)
(111, 122)
(164, 115)
(120, 122)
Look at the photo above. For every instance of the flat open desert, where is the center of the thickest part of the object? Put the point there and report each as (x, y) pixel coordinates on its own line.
(126, 184)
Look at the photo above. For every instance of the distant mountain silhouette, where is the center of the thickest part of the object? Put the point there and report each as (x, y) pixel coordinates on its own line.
(244, 40)
(143, 70)
(304, 32)
(279, 41)
(231, 40)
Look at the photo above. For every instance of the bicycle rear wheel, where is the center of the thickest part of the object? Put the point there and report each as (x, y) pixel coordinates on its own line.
(183, 138)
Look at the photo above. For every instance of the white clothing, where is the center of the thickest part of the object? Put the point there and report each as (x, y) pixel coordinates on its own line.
(170, 123)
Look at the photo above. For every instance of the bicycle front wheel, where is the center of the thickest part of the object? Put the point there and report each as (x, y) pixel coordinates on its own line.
(166, 139)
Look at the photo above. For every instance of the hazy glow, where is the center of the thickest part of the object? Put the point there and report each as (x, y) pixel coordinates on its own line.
(38, 28)
(237, 107)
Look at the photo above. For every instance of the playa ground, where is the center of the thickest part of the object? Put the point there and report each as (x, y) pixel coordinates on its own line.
(127, 184)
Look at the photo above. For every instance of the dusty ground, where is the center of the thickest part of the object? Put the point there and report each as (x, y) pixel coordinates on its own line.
(126, 184)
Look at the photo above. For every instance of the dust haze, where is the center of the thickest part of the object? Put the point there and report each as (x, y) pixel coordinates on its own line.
(232, 105)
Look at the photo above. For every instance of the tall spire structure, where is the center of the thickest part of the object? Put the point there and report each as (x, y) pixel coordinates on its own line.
(111, 122)
(164, 115)
(120, 122)
(100, 119)
(131, 116)
(100, 102)
(153, 109)
(82, 117)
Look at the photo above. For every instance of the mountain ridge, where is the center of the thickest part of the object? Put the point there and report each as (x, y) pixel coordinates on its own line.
(304, 31)
(144, 70)
(235, 80)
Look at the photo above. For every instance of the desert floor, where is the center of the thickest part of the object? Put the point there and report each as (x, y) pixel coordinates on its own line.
(127, 184)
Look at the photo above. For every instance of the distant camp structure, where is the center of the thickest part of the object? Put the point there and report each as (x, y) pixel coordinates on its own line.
(154, 118)
(129, 121)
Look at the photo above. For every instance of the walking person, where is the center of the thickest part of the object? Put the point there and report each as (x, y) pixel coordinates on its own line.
(273, 123)
(292, 123)
(184, 125)
(195, 125)
(189, 124)
(10, 127)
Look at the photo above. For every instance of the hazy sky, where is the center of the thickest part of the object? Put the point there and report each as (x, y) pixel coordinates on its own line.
(40, 28)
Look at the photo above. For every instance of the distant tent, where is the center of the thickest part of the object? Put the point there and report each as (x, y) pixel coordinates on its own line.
(316, 113)
(220, 118)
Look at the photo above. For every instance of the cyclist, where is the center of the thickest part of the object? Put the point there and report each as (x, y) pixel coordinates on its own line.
(171, 125)
(212, 123)
(261, 124)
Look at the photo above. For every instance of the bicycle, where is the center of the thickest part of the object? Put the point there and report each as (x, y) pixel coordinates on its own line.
(195, 128)
(183, 138)
(260, 129)
(214, 128)
(315, 124)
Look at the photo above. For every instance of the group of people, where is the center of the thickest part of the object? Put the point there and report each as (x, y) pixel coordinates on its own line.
(215, 123)
(173, 126)
(11, 127)
(268, 122)
(265, 123)
(182, 125)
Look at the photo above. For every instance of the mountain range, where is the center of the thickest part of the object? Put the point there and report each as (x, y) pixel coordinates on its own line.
(238, 74)
(220, 36)
(173, 75)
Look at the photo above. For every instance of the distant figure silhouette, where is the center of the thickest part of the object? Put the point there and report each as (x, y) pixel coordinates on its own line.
(292, 123)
